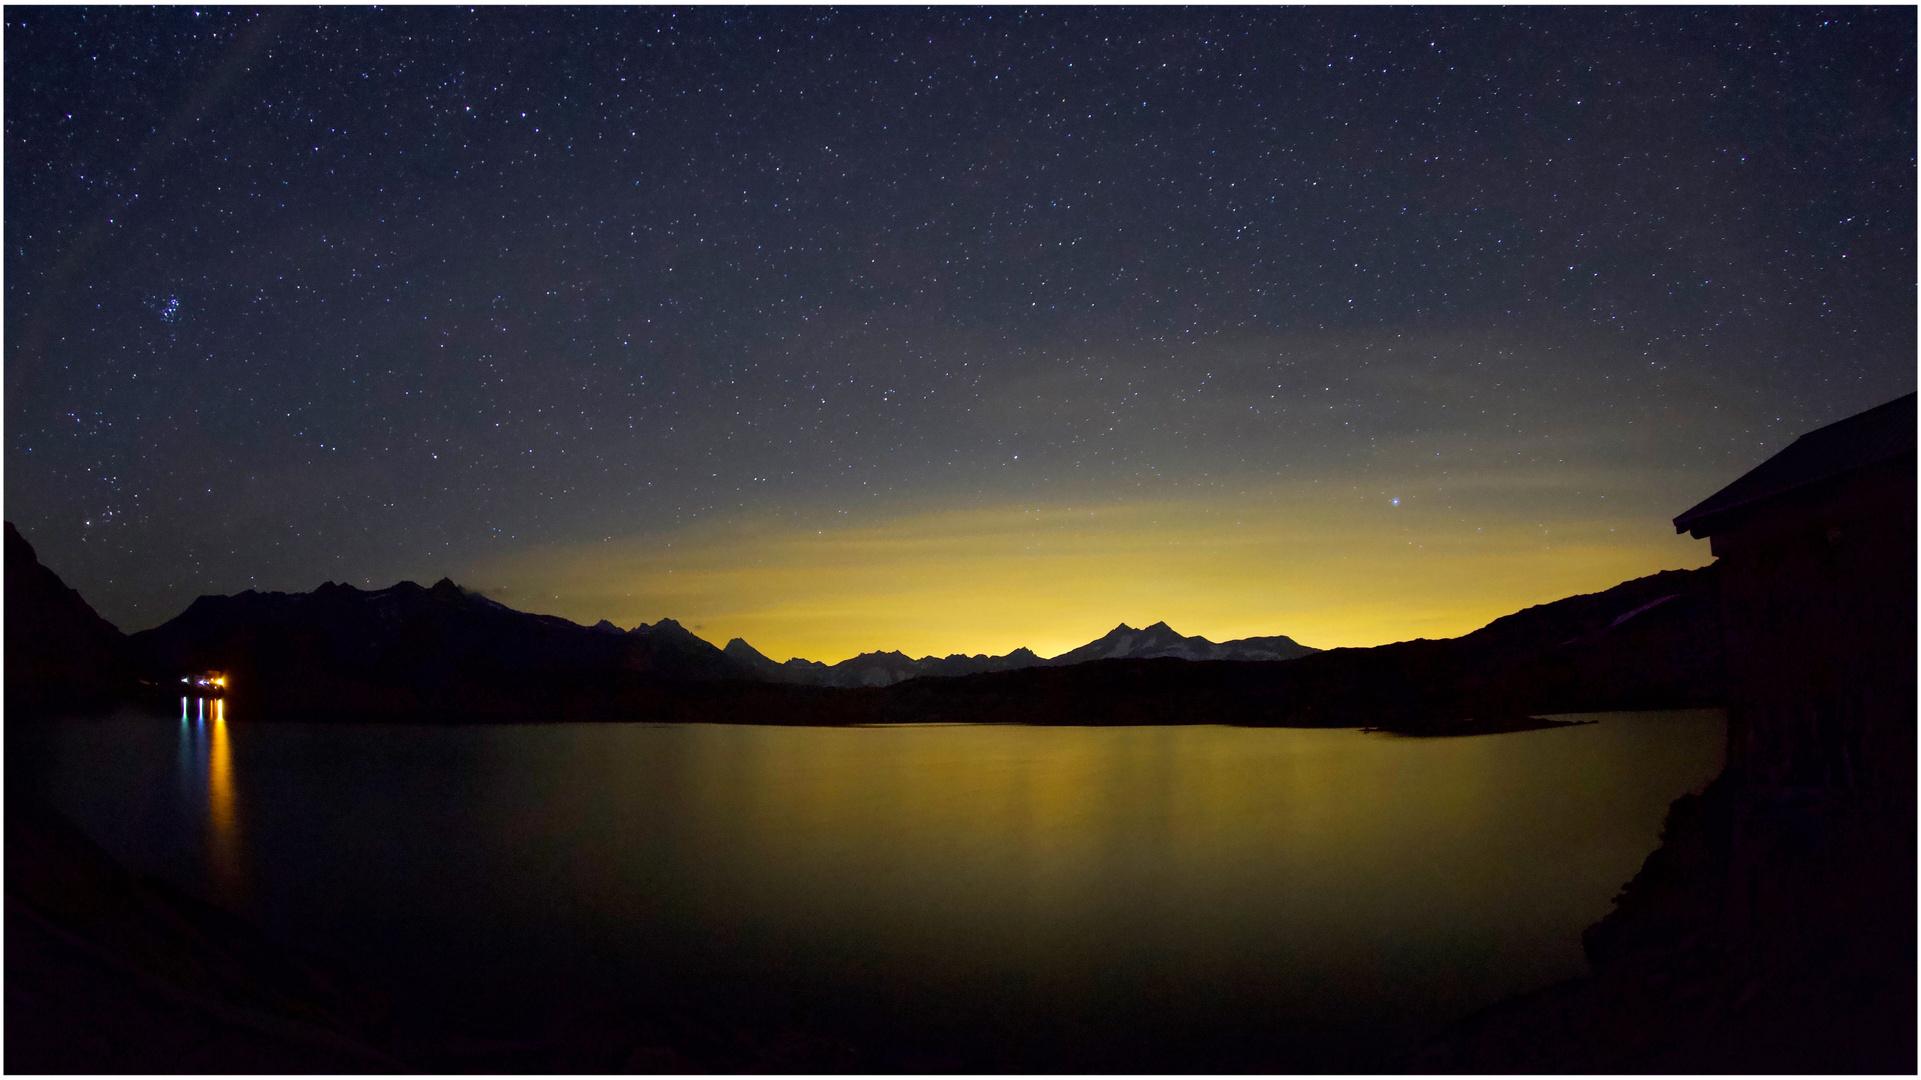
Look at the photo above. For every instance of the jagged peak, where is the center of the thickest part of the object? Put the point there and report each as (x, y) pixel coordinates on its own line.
(670, 629)
(738, 647)
(889, 654)
(448, 591)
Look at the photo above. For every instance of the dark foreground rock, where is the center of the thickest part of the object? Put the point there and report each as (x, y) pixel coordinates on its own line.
(109, 973)
(1762, 937)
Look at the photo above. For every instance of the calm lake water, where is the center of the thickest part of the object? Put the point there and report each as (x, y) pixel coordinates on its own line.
(1216, 894)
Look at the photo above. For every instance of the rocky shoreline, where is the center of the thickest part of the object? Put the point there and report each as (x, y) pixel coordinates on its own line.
(1757, 939)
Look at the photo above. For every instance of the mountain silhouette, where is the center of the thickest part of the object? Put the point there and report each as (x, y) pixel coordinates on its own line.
(883, 668)
(411, 651)
(1123, 642)
(448, 654)
(1126, 643)
(60, 653)
(1653, 642)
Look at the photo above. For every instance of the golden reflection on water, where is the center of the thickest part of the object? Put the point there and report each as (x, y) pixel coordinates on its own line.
(223, 831)
(1325, 881)
(1058, 856)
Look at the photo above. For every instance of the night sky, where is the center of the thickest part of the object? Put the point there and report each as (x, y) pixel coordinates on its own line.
(949, 331)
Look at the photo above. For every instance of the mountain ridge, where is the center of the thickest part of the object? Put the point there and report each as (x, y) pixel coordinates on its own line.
(670, 648)
(60, 652)
(1159, 640)
(887, 667)
(448, 654)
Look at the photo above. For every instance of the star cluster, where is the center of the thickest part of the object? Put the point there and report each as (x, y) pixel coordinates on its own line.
(369, 294)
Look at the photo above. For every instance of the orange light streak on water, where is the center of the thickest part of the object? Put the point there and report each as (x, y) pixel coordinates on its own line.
(224, 831)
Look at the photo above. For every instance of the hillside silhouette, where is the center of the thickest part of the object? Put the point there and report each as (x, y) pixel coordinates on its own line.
(61, 655)
(445, 654)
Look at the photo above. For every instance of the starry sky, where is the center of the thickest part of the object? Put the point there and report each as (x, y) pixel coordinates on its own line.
(943, 331)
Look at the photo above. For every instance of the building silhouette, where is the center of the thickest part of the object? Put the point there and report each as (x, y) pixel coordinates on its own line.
(1817, 550)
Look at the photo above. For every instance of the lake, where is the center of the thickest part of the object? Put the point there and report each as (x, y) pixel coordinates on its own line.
(1139, 898)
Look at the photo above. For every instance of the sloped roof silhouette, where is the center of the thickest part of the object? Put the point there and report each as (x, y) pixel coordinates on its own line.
(1864, 439)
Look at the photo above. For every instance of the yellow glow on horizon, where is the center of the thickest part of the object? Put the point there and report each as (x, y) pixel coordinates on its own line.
(1328, 568)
